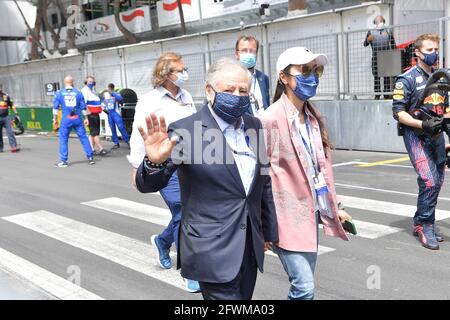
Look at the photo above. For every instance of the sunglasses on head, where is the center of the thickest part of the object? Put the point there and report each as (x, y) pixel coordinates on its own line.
(306, 71)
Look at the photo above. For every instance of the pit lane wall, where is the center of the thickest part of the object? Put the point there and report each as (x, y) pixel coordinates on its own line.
(354, 125)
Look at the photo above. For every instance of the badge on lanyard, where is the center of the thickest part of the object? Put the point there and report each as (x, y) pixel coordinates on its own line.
(320, 183)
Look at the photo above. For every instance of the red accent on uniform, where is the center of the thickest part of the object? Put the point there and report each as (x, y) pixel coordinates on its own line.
(94, 109)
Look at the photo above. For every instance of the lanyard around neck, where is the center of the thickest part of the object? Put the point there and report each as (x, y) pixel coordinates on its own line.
(309, 147)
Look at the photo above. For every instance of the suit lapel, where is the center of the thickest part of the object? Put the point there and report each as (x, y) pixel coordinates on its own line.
(254, 146)
(208, 122)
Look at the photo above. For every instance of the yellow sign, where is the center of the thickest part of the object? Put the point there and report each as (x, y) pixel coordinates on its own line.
(34, 125)
(33, 114)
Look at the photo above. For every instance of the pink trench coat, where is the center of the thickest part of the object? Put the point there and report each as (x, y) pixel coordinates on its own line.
(291, 190)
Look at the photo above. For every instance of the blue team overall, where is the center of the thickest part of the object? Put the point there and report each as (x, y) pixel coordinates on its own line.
(72, 104)
(114, 118)
(427, 154)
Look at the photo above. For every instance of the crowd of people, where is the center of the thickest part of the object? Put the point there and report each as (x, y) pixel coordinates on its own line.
(243, 175)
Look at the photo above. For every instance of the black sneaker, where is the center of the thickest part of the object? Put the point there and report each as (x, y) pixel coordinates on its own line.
(116, 146)
(103, 152)
(91, 161)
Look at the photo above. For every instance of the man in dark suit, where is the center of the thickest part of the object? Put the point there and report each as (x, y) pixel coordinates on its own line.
(228, 216)
(247, 53)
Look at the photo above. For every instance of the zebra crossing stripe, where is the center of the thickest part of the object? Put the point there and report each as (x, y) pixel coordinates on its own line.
(148, 213)
(387, 207)
(131, 253)
(44, 280)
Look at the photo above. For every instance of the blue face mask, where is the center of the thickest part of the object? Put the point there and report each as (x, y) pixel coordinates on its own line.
(430, 58)
(230, 107)
(91, 85)
(306, 88)
(248, 59)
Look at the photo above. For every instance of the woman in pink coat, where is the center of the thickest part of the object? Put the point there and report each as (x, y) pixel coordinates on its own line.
(299, 152)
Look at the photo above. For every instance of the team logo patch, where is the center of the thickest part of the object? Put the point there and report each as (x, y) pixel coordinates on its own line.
(435, 99)
(401, 92)
(399, 85)
(419, 79)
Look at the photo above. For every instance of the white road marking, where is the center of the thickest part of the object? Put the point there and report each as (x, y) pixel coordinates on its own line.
(147, 213)
(371, 230)
(44, 280)
(382, 190)
(387, 207)
(131, 253)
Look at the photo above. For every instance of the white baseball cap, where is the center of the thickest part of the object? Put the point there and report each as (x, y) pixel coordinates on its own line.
(299, 55)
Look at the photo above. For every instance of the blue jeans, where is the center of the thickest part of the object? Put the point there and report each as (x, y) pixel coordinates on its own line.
(6, 122)
(428, 158)
(114, 120)
(300, 267)
(172, 197)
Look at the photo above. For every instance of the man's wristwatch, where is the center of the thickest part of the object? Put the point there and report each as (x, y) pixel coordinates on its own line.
(154, 166)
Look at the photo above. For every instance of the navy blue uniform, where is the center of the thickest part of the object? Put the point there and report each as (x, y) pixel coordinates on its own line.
(114, 118)
(427, 154)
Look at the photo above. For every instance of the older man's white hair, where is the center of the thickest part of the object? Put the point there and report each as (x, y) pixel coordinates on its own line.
(223, 67)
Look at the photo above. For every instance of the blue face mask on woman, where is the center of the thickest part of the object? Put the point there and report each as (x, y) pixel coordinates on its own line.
(306, 87)
(430, 58)
(230, 107)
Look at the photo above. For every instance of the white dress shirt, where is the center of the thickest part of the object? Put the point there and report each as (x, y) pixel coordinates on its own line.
(162, 103)
(244, 157)
(255, 90)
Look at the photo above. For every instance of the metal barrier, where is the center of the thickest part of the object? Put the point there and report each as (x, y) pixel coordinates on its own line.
(348, 74)
(363, 62)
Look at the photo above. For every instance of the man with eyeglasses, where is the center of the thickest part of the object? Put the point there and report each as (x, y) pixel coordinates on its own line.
(421, 127)
(170, 100)
(247, 53)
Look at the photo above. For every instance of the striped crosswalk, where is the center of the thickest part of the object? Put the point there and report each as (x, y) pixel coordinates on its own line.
(139, 256)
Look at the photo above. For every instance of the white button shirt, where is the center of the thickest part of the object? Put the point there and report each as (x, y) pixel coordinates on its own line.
(245, 158)
(162, 103)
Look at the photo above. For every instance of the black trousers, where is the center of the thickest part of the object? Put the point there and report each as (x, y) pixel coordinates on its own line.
(241, 287)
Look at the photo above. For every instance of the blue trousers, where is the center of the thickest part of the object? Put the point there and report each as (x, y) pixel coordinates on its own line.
(66, 126)
(6, 122)
(114, 120)
(172, 197)
(428, 158)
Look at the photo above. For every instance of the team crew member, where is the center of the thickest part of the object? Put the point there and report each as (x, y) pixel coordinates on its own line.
(423, 138)
(168, 99)
(111, 105)
(5, 104)
(94, 107)
(72, 104)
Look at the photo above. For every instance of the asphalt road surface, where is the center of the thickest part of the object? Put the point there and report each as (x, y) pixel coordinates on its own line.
(83, 232)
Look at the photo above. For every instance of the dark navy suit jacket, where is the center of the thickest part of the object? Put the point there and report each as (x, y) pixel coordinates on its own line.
(263, 82)
(215, 206)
